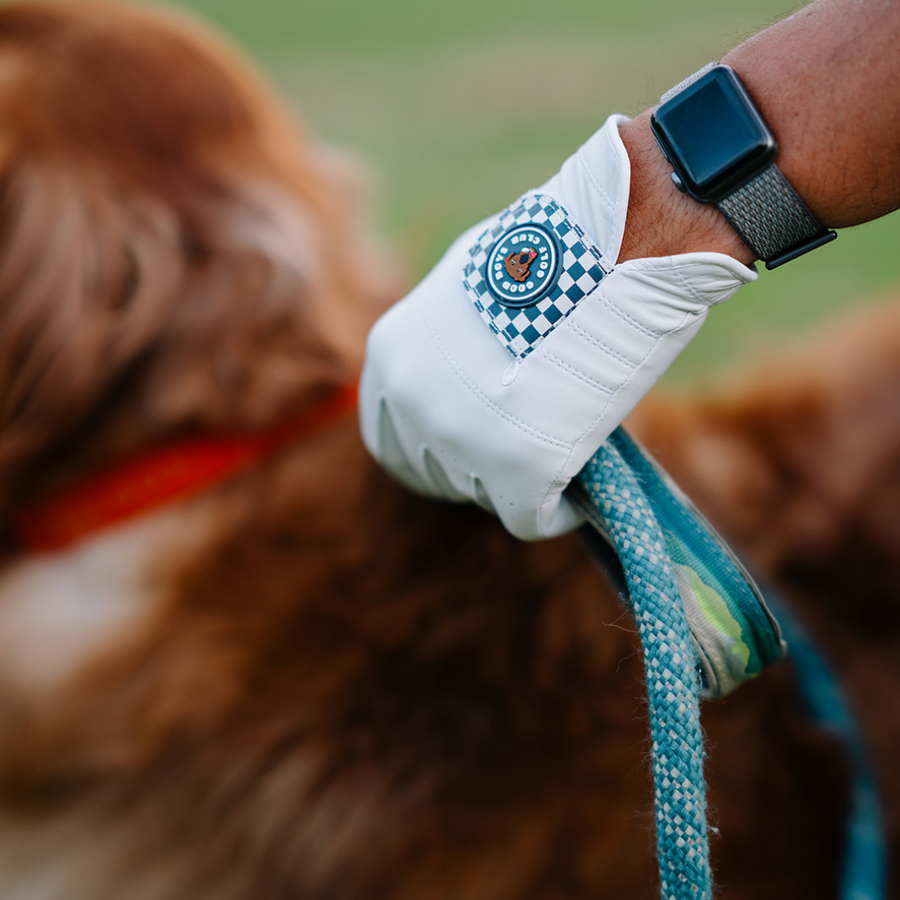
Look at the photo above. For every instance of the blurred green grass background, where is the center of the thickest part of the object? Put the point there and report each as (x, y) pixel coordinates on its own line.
(459, 107)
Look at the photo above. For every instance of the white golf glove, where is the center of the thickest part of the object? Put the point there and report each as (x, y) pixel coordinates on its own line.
(501, 374)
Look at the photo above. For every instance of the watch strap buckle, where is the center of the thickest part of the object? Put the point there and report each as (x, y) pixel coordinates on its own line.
(793, 252)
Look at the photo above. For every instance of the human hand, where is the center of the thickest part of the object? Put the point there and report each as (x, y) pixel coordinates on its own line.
(500, 375)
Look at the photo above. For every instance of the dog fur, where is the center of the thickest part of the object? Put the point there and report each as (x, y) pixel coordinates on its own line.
(306, 682)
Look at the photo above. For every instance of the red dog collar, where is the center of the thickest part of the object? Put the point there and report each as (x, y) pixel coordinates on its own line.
(161, 476)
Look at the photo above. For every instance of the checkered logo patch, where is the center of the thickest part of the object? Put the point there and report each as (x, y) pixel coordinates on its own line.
(529, 271)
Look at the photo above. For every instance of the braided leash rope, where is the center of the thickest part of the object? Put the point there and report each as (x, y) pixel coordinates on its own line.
(637, 512)
(672, 681)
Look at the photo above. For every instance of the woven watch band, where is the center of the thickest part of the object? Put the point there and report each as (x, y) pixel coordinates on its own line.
(770, 217)
(767, 213)
(674, 91)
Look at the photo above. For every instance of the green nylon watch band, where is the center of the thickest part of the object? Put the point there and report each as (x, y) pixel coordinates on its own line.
(770, 217)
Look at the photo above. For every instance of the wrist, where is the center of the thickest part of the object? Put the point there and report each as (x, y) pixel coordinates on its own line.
(661, 220)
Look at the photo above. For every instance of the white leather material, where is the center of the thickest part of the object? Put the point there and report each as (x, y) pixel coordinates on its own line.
(451, 412)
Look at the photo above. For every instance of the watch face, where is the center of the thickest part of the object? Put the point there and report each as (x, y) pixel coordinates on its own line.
(713, 135)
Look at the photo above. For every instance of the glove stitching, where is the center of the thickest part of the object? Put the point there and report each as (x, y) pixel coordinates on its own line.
(599, 417)
(688, 287)
(605, 348)
(637, 368)
(473, 388)
(595, 184)
(707, 298)
(634, 323)
(578, 374)
(684, 271)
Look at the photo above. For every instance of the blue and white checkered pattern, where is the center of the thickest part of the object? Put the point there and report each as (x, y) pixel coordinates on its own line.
(583, 267)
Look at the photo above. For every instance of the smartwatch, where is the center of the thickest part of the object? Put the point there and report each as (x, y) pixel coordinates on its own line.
(723, 152)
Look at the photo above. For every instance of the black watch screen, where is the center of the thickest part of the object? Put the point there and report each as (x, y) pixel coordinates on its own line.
(713, 136)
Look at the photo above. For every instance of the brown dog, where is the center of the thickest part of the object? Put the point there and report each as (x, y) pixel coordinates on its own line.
(303, 682)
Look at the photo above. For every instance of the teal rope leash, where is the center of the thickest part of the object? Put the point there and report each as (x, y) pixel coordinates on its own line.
(672, 681)
(705, 627)
(864, 872)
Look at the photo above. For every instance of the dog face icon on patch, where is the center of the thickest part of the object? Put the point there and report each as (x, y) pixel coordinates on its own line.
(518, 262)
(523, 265)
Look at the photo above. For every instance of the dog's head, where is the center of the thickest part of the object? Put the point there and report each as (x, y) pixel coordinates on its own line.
(174, 256)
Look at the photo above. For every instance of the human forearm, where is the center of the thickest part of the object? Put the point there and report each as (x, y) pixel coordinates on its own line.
(827, 81)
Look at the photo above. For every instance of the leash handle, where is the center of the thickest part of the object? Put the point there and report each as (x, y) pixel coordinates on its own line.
(735, 636)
